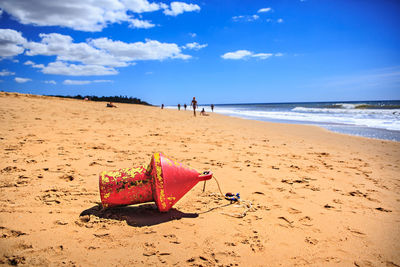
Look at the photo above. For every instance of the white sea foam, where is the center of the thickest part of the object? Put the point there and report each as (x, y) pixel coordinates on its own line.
(349, 111)
(388, 119)
(383, 119)
(347, 106)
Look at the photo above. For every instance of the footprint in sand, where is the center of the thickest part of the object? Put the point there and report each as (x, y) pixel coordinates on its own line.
(391, 264)
(7, 233)
(358, 194)
(11, 169)
(356, 232)
(382, 209)
(172, 238)
(256, 244)
(293, 181)
(54, 196)
(337, 201)
(288, 223)
(59, 222)
(311, 241)
(22, 180)
(306, 221)
(13, 260)
(293, 211)
(67, 177)
(230, 244)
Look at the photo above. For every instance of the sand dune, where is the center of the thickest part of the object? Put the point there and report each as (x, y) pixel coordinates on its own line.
(319, 198)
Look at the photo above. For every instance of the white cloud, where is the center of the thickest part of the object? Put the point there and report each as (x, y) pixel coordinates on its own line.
(11, 43)
(243, 54)
(237, 18)
(140, 6)
(264, 10)
(50, 82)
(103, 81)
(22, 80)
(75, 82)
(149, 50)
(96, 56)
(63, 68)
(177, 8)
(88, 15)
(141, 24)
(62, 46)
(76, 14)
(239, 54)
(79, 82)
(102, 51)
(262, 55)
(194, 46)
(192, 34)
(33, 64)
(279, 20)
(254, 17)
(278, 54)
(5, 72)
(245, 18)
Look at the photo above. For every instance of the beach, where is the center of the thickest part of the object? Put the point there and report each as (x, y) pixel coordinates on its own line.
(318, 198)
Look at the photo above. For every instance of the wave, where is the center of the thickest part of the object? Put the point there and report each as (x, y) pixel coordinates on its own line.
(361, 106)
(342, 105)
(348, 111)
(382, 119)
(371, 118)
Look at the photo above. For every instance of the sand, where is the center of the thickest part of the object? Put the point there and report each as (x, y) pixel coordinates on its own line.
(319, 198)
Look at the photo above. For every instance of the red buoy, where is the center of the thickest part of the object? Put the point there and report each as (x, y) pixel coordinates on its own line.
(164, 181)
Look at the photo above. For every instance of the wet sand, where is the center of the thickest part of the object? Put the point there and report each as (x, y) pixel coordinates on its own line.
(319, 198)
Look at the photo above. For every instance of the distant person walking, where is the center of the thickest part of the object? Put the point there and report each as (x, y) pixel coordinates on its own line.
(212, 107)
(179, 106)
(185, 106)
(162, 106)
(194, 105)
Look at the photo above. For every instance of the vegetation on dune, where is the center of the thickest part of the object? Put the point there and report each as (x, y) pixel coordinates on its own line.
(114, 99)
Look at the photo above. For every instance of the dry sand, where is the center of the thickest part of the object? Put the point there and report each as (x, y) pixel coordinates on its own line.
(319, 198)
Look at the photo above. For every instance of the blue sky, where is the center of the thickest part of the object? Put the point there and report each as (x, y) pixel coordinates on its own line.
(219, 51)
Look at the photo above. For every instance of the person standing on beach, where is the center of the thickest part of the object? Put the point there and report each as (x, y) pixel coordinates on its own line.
(194, 105)
(179, 106)
(162, 106)
(212, 107)
(184, 105)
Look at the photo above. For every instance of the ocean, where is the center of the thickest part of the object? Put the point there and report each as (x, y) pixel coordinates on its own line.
(373, 119)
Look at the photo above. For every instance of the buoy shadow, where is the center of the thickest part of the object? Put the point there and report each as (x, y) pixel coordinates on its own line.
(138, 215)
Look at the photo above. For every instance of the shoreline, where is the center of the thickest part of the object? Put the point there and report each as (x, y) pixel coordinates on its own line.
(319, 197)
(327, 126)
